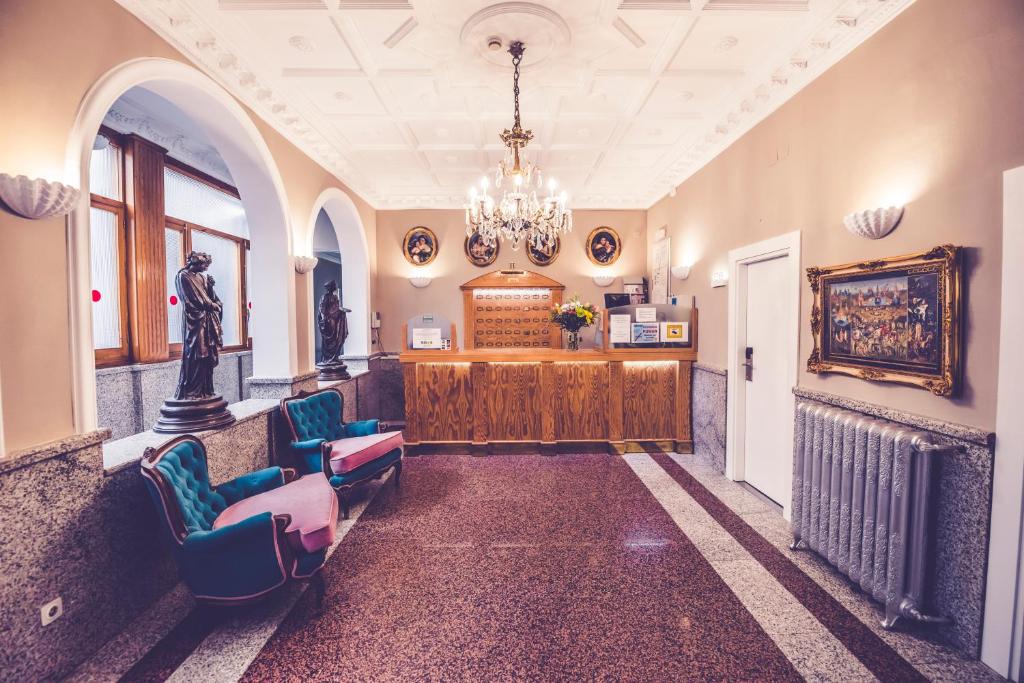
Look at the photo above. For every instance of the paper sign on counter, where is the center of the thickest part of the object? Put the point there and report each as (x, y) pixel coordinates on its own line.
(618, 329)
(426, 337)
(646, 315)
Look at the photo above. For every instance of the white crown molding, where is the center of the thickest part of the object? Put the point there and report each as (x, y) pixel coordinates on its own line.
(760, 96)
(179, 25)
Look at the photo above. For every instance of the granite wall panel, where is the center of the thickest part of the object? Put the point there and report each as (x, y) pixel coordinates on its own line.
(128, 398)
(709, 397)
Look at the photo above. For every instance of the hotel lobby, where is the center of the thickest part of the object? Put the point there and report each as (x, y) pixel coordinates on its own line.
(463, 340)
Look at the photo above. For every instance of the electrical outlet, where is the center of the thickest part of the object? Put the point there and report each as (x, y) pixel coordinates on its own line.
(52, 611)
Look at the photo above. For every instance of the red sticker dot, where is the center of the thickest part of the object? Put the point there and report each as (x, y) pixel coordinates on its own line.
(250, 305)
(174, 300)
(96, 295)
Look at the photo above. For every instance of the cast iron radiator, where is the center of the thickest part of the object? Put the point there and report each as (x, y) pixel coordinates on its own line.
(862, 489)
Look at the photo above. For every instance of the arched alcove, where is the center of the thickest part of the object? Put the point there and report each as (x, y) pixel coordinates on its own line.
(355, 266)
(258, 181)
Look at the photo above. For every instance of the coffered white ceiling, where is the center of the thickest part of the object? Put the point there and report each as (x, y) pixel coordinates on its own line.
(403, 100)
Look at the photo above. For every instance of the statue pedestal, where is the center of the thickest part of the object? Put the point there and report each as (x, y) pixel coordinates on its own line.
(193, 415)
(330, 372)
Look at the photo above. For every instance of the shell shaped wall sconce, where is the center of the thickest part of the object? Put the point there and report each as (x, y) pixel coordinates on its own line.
(36, 198)
(874, 224)
(305, 264)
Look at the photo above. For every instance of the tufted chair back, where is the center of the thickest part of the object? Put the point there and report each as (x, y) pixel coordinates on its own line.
(316, 416)
(177, 478)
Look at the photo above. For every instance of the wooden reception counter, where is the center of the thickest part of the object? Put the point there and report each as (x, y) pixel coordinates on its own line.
(547, 400)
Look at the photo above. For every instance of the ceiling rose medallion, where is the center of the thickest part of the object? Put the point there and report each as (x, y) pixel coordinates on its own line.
(519, 215)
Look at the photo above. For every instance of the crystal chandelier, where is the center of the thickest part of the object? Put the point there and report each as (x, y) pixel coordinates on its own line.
(519, 215)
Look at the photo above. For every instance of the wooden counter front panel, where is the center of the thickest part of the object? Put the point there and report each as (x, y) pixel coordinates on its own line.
(579, 401)
(444, 408)
(648, 401)
(545, 402)
(513, 394)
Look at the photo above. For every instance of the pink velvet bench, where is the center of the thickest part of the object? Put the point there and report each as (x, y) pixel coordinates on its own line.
(309, 500)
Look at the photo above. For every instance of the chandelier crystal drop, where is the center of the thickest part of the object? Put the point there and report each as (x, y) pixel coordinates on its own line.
(519, 216)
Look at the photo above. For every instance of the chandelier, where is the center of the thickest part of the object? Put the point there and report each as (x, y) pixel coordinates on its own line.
(519, 215)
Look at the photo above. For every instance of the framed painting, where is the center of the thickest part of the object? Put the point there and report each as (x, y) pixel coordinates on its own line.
(478, 253)
(603, 246)
(890, 320)
(420, 246)
(544, 256)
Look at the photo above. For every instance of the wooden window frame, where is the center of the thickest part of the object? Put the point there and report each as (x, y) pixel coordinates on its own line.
(174, 349)
(107, 358)
(242, 245)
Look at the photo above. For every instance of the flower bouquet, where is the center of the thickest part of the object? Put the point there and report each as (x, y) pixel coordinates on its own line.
(572, 316)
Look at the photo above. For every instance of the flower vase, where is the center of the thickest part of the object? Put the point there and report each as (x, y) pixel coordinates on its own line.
(572, 342)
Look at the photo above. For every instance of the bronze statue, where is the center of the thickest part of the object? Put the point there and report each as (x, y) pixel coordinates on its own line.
(196, 404)
(333, 323)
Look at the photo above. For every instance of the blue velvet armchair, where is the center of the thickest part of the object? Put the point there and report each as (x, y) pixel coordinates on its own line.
(238, 561)
(322, 442)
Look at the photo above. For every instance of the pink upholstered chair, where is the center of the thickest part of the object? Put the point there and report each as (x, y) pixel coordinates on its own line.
(240, 540)
(348, 454)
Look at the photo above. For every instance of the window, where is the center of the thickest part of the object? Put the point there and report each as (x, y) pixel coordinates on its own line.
(107, 250)
(200, 213)
(205, 215)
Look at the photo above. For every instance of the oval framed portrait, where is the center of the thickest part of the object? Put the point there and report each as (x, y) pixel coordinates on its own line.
(478, 253)
(420, 246)
(545, 256)
(603, 246)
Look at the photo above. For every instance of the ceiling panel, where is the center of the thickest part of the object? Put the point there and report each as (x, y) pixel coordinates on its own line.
(404, 101)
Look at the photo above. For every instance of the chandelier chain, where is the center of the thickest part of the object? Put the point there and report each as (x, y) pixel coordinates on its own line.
(519, 215)
(517, 56)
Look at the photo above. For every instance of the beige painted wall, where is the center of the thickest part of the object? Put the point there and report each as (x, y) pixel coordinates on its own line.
(50, 54)
(398, 301)
(930, 112)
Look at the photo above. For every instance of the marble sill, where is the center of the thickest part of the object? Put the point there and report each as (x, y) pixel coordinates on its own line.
(282, 380)
(143, 367)
(26, 457)
(974, 435)
(123, 453)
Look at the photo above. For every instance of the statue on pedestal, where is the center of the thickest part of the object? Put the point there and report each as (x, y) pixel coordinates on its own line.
(196, 404)
(332, 321)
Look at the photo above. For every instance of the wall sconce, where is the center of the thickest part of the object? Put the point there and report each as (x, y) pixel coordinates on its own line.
(603, 280)
(305, 264)
(36, 198)
(419, 282)
(720, 278)
(875, 223)
(680, 272)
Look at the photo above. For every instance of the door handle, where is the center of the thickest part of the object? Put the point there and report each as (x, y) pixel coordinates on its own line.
(748, 364)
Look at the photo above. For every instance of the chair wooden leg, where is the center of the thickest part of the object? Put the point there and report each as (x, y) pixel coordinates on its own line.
(343, 499)
(398, 474)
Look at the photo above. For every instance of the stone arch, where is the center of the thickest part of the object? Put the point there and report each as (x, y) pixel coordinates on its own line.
(355, 266)
(259, 183)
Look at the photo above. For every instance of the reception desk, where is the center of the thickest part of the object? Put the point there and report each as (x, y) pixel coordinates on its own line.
(548, 400)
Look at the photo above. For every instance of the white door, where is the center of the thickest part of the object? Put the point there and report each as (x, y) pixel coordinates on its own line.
(766, 457)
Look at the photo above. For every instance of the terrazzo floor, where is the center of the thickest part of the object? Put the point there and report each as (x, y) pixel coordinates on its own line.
(647, 567)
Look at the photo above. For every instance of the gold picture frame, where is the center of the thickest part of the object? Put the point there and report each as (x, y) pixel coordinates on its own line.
(542, 258)
(477, 254)
(420, 245)
(895, 319)
(603, 245)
